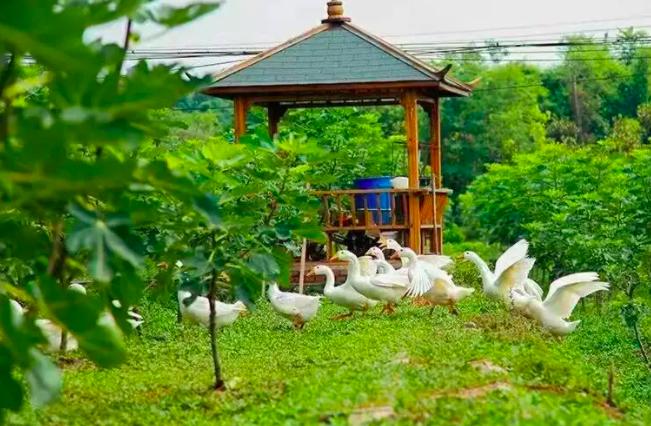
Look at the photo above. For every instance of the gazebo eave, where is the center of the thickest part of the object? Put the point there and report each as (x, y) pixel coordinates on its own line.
(338, 91)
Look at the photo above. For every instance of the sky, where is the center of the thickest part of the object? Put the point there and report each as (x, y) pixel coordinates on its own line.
(262, 23)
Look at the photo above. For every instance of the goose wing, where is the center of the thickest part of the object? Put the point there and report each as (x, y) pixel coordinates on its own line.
(571, 279)
(566, 292)
(391, 281)
(420, 281)
(515, 253)
(436, 260)
(533, 289)
(514, 276)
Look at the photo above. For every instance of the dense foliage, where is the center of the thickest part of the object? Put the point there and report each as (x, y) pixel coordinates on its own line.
(581, 208)
(89, 190)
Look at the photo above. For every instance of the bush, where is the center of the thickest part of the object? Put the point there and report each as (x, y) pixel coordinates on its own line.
(582, 209)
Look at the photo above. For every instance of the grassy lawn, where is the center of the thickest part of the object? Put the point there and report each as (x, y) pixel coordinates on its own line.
(484, 367)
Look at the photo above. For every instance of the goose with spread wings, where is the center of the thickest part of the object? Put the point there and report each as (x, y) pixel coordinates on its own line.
(511, 271)
(563, 295)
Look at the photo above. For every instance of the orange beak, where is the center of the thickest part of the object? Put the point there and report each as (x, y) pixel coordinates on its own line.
(333, 259)
(395, 256)
(310, 274)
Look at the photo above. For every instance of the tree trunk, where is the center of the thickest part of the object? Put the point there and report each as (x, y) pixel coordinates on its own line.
(55, 267)
(638, 337)
(219, 382)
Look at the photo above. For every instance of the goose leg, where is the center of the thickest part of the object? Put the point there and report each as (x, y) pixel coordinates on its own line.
(389, 308)
(342, 316)
(431, 310)
(298, 322)
(453, 309)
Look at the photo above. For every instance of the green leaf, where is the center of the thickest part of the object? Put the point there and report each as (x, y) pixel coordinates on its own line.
(264, 264)
(104, 345)
(85, 317)
(11, 392)
(208, 206)
(172, 17)
(44, 380)
(101, 239)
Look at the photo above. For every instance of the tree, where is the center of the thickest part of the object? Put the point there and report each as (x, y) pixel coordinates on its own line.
(86, 192)
(502, 117)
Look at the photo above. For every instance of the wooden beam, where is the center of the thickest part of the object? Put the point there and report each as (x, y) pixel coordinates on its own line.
(274, 113)
(437, 177)
(241, 106)
(410, 104)
(435, 143)
(442, 88)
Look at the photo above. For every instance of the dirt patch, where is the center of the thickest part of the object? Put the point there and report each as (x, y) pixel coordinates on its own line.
(480, 391)
(486, 367)
(474, 392)
(401, 358)
(505, 326)
(71, 363)
(367, 415)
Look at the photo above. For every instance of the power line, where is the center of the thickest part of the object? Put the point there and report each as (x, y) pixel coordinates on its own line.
(522, 27)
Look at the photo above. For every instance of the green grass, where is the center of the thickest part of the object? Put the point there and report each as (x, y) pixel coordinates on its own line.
(416, 364)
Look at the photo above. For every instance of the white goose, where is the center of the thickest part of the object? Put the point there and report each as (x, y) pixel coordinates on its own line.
(198, 310)
(383, 266)
(368, 266)
(511, 271)
(438, 261)
(344, 295)
(297, 307)
(563, 295)
(445, 293)
(388, 288)
(421, 274)
(53, 333)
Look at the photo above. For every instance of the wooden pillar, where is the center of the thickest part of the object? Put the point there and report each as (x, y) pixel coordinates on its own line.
(410, 104)
(437, 177)
(435, 142)
(241, 106)
(274, 113)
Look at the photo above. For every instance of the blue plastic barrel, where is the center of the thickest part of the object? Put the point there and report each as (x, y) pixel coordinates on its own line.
(378, 182)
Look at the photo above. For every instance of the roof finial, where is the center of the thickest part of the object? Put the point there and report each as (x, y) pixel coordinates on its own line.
(335, 13)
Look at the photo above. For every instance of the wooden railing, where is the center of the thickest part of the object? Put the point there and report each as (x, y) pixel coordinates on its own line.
(383, 210)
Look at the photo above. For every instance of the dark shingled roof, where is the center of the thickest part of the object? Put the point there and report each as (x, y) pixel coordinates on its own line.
(336, 55)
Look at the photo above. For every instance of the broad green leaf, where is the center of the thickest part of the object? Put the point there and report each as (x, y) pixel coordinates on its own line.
(11, 392)
(98, 237)
(104, 345)
(172, 17)
(208, 206)
(44, 379)
(264, 264)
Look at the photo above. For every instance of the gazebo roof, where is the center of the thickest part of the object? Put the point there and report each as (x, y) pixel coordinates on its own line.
(334, 56)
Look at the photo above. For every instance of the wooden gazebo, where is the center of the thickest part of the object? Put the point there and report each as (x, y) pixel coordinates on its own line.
(337, 64)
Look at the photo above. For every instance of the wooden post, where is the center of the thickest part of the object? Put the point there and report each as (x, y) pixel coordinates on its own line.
(435, 143)
(274, 113)
(241, 106)
(435, 164)
(409, 103)
(301, 272)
